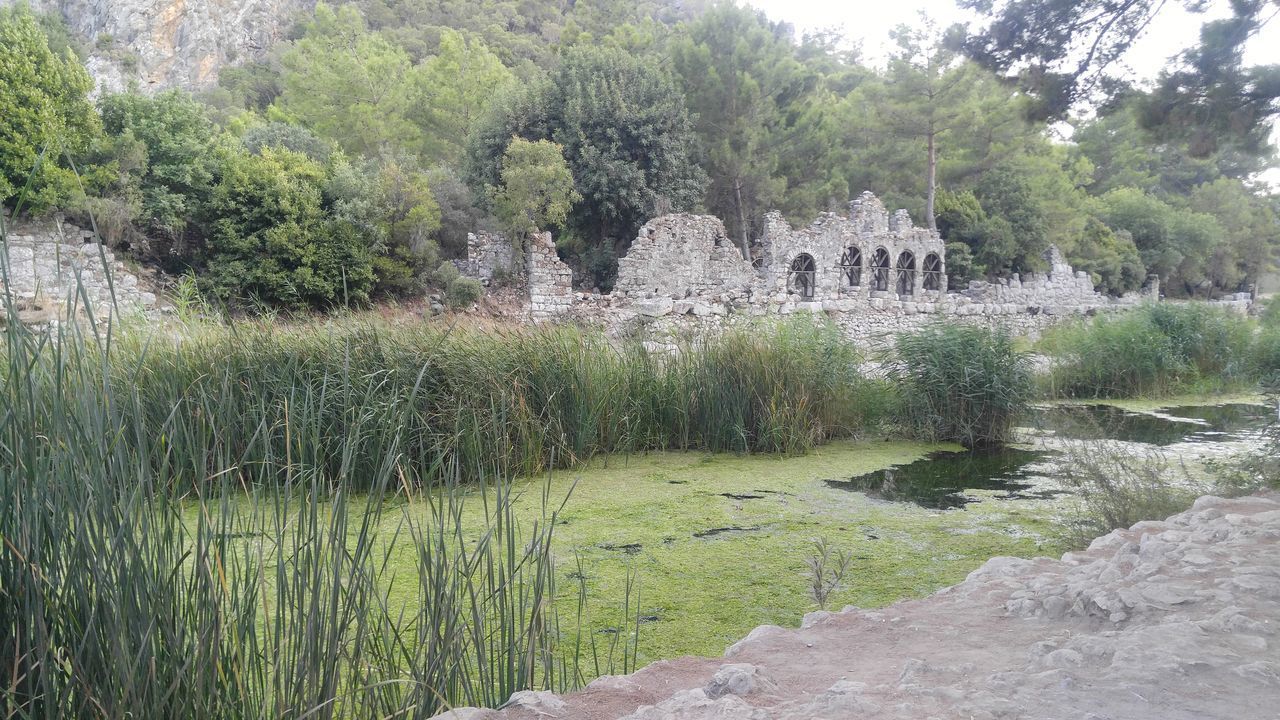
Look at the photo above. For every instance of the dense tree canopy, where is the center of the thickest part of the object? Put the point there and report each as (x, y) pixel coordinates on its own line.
(44, 113)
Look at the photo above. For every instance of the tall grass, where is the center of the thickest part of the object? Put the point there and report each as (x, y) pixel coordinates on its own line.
(514, 401)
(254, 536)
(259, 521)
(961, 383)
(1154, 350)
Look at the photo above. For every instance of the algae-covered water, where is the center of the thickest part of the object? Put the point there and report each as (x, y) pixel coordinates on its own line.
(717, 544)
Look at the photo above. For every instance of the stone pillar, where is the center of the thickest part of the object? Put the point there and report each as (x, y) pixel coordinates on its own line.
(550, 280)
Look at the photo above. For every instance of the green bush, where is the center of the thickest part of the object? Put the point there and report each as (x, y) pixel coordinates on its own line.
(463, 292)
(961, 383)
(1153, 350)
(444, 275)
(270, 240)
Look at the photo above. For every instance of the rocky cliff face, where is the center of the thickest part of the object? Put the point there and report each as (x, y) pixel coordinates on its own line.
(170, 43)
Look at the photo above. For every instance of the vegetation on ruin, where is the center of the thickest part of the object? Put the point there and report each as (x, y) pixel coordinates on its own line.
(379, 133)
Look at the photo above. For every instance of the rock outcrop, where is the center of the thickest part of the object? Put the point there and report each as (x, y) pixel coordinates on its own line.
(1173, 620)
(170, 43)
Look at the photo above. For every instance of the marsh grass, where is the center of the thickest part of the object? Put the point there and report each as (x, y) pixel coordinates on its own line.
(961, 383)
(1117, 485)
(192, 529)
(264, 520)
(1156, 350)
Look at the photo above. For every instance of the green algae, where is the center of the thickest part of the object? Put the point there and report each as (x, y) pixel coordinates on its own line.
(652, 518)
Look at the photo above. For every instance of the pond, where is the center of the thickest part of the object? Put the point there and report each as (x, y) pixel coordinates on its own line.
(940, 480)
(715, 545)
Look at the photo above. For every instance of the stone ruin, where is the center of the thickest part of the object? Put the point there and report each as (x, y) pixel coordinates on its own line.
(870, 270)
(53, 263)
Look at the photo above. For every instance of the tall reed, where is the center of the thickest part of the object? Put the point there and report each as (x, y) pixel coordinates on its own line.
(1157, 349)
(516, 400)
(191, 544)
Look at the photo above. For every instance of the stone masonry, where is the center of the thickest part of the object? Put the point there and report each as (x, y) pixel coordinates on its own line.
(50, 263)
(489, 254)
(870, 271)
(550, 280)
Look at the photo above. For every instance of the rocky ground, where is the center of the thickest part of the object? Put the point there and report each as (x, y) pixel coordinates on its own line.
(1172, 620)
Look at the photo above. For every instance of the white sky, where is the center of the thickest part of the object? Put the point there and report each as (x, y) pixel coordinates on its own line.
(870, 22)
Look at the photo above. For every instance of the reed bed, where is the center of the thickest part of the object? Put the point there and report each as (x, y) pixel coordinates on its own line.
(212, 521)
(1158, 350)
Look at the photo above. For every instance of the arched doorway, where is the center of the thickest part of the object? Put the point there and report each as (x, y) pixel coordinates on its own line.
(933, 279)
(880, 270)
(851, 266)
(802, 279)
(906, 267)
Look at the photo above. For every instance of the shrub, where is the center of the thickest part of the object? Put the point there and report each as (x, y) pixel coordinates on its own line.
(444, 275)
(463, 292)
(960, 382)
(1117, 487)
(271, 241)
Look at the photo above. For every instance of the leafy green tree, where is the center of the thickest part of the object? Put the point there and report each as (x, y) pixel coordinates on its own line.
(455, 86)
(1063, 51)
(270, 240)
(625, 132)
(1110, 258)
(924, 97)
(351, 85)
(177, 139)
(391, 203)
(45, 113)
(537, 187)
(1174, 243)
(746, 89)
(1251, 232)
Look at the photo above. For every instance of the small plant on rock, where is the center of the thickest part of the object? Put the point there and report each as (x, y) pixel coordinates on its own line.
(826, 568)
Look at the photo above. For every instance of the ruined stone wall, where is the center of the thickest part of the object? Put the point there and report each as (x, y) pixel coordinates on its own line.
(550, 280)
(489, 254)
(683, 256)
(870, 271)
(50, 263)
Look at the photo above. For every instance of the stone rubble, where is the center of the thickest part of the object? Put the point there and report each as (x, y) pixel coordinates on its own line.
(1170, 620)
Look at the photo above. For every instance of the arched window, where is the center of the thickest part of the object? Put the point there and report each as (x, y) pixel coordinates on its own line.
(851, 266)
(803, 276)
(906, 273)
(880, 270)
(933, 279)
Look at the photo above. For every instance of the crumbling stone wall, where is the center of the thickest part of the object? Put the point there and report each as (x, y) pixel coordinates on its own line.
(683, 256)
(489, 254)
(550, 280)
(871, 271)
(51, 262)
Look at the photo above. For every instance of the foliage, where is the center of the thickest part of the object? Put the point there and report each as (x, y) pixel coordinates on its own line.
(1117, 487)
(217, 564)
(827, 568)
(745, 88)
(537, 187)
(176, 141)
(46, 110)
(623, 129)
(463, 292)
(1157, 349)
(270, 240)
(961, 383)
(1061, 52)
(350, 85)
(455, 86)
(1174, 243)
